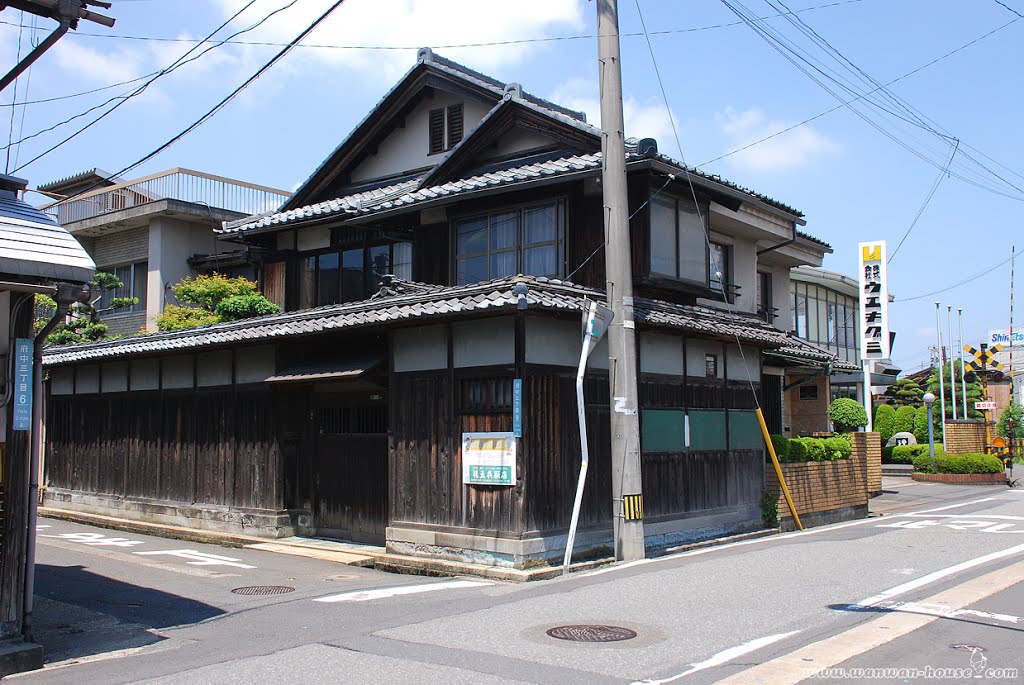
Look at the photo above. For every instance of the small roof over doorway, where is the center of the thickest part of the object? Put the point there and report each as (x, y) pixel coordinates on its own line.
(351, 369)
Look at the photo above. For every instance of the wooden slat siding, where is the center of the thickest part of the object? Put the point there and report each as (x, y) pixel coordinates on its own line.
(215, 448)
(15, 505)
(351, 469)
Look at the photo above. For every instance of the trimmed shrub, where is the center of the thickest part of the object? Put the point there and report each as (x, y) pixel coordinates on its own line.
(921, 424)
(796, 450)
(887, 455)
(837, 448)
(908, 454)
(815, 448)
(904, 421)
(781, 445)
(885, 421)
(971, 462)
(847, 414)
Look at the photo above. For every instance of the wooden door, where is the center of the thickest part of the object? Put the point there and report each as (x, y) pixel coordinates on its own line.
(350, 473)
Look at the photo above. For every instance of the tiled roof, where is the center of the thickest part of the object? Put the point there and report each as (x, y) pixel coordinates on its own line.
(808, 236)
(406, 194)
(401, 301)
(94, 173)
(798, 349)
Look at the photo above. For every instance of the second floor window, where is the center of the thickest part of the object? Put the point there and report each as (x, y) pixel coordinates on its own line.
(353, 274)
(527, 240)
(445, 128)
(679, 246)
(133, 279)
(718, 267)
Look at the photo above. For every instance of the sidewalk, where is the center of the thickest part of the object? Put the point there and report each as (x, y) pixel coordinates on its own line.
(900, 493)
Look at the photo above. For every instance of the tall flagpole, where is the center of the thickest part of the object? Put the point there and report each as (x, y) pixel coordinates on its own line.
(952, 369)
(963, 368)
(942, 381)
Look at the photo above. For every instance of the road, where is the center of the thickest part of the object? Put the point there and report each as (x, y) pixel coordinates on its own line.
(931, 591)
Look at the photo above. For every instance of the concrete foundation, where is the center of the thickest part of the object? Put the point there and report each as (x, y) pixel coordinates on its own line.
(17, 656)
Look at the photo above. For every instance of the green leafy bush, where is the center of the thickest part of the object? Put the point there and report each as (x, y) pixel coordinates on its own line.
(781, 445)
(1013, 411)
(245, 306)
(971, 462)
(837, 448)
(175, 317)
(847, 414)
(885, 421)
(769, 510)
(921, 424)
(887, 455)
(907, 454)
(904, 421)
(814, 448)
(796, 450)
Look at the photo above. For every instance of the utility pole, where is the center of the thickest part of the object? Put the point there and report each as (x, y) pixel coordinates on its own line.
(627, 491)
(942, 382)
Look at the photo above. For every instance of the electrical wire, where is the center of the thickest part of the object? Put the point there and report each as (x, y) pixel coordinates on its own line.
(181, 61)
(10, 134)
(1003, 4)
(84, 92)
(806, 64)
(518, 41)
(927, 199)
(231, 96)
(967, 280)
(861, 96)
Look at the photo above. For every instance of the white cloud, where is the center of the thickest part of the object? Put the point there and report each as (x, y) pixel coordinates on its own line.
(799, 147)
(643, 119)
(411, 24)
(83, 62)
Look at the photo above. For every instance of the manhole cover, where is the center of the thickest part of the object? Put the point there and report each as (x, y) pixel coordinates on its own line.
(592, 633)
(973, 649)
(263, 590)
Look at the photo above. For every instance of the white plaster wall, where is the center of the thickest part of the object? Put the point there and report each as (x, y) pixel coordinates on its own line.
(661, 353)
(115, 377)
(407, 148)
(517, 141)
(744, 257)
(62, 381)
(484, 343)
(213, 368)
(176, 372)
(313, 238)
(255, 364)
(695, 351)
(744, 367)
(420, 349)
(145, 374)
(171, 243)
(87, 380)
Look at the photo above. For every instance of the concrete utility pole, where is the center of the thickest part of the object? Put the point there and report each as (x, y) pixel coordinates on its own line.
(627, 491)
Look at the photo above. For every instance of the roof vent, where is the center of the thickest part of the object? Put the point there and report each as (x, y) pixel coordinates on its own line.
(424, 55)
(647, 146)
(514, 89)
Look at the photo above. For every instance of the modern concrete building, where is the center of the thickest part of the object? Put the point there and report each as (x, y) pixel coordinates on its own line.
(153, 231)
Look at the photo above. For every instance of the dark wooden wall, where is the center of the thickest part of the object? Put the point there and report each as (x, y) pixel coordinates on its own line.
(14, 503)
(207, 447)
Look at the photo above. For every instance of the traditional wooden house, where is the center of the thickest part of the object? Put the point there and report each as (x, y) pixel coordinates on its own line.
(434, 270)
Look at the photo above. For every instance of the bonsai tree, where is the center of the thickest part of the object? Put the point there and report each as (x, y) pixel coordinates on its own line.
(847, 414)
(82, 323)
(974, 392)
(904, 420)
(1013, 416)
(213, 299)
(904, 393)
(885, 421)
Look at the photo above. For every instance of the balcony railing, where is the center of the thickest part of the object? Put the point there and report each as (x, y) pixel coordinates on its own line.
(183, 185)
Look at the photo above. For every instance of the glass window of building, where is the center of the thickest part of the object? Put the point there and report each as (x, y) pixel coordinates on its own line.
(679, 244)
(526, 240)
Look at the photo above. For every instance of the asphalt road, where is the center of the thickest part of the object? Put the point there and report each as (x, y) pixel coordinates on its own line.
(931, 591)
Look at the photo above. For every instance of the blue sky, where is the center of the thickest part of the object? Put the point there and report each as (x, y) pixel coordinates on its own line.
(725, 86)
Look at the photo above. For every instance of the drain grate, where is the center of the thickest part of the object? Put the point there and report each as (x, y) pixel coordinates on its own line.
(592, 633)
(263, 590)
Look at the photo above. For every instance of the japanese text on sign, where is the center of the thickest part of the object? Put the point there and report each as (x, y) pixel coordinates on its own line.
(874, 301)
(22, 396)
(489, 458)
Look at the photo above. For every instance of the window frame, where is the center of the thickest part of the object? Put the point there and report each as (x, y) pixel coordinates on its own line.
(662, 199)
(560, 205)
(443, 120)
(127, 290)
(364, 247)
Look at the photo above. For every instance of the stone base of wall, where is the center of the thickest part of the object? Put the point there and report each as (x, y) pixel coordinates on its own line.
(962, 478)
(263, 523)
(514, 552)
(823, 518)
(17, 656)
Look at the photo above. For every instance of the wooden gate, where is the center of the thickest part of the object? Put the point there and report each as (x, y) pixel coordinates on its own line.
(350, 473)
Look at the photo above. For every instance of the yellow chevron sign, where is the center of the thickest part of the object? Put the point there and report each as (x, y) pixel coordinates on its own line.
(984, 358)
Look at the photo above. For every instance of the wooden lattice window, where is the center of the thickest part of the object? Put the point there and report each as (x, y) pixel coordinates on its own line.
(349, 420)
(445, 127)
(485, 395)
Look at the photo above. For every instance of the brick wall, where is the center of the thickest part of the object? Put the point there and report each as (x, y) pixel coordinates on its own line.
(871, 446)
(821, 487)
(124, 324)
(805, 416)
(965, 436)
(120, 248)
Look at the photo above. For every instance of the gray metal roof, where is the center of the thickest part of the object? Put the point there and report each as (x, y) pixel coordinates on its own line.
(33, 245)
(402, 301)
(798, 350)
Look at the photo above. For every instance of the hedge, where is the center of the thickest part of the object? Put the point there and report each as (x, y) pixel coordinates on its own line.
(794, 450)
(907, 454)
(971, 462)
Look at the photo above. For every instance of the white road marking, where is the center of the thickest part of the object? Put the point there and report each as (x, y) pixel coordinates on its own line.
(366, 595)
(723, 657)
(197, 558)
(946, 611)
(956, 523)
(769, 538)
(877, 600)
(1001, 517)
(95, 539)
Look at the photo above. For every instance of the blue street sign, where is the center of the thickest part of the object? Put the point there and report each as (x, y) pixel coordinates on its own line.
(517, 407)
(22, 396)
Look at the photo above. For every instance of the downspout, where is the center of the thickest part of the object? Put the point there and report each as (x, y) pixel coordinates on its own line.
(36, 53)
(782, 244)
(66, 295)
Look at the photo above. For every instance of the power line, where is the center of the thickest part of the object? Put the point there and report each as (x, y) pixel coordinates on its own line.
(957, 285)
(181, 61)
(84, 92)
(516, 41)
(1003, 4)
(220, 105)
(927, 199)
(861, 96)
